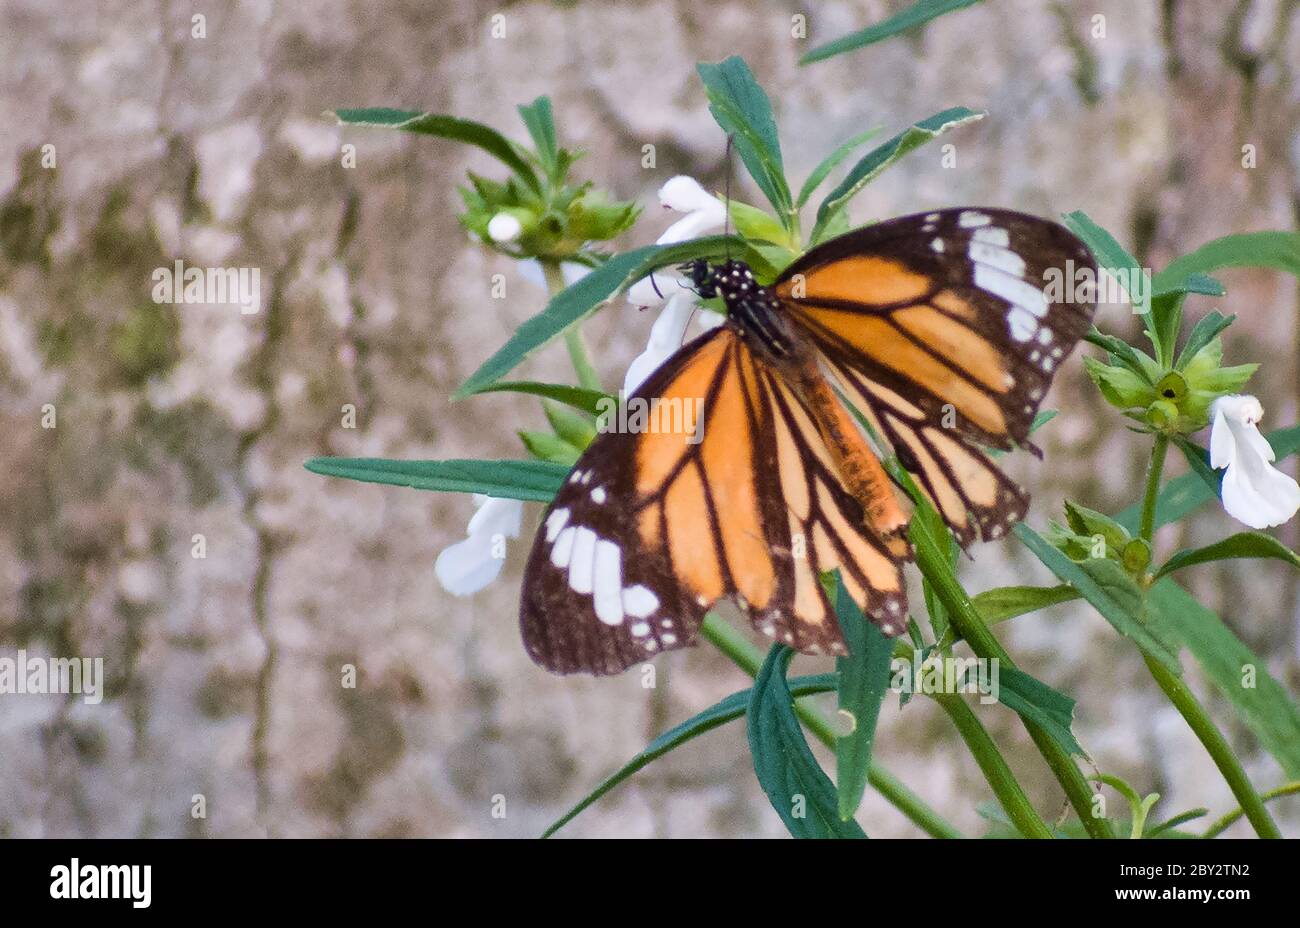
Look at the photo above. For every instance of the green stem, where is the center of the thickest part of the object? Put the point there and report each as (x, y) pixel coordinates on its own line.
(1005, 786)
(1220, 826)
(1217, 745)
(1183, 699)
(963, 615)
(1147, 524)
(582, 366)
(748, 658)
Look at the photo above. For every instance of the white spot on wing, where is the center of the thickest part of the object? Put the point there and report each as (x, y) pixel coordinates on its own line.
(937, 244)
(608, 581)
(598, 495)
(1012, 289)
(554, 522)
(563, 549)
(1022, 324)
(582, 564)
(640, 630)
(971, 219)
(993, 235)
(639, 601)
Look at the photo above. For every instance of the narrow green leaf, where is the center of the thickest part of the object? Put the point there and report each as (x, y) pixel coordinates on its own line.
(582, 298)
(789, 774)
(1243, 677)
(1243, 544)
(1114, 258)
(549, 447)
(1007, 602)
(592, 401)
(540, 123)
(574, 427)
(447, 127)
(758, 225)
(864, 677)
(744, 112)
(1206, 330)
(915, 15)
(1278, 250)
(527, 480)
(1104, 584)
(1201, 284)
(830, 162)
(728, 710)
(1035, 700)
(878, 159)
(1139, 362)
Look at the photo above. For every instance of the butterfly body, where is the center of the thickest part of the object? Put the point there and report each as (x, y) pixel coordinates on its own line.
(934, 327)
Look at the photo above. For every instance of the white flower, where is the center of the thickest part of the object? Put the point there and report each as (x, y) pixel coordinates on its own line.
(704, 213)
(1254, 492)
(504, 227)
(468, 566)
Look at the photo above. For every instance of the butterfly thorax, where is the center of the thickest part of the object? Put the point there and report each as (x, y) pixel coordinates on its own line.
(752, 309)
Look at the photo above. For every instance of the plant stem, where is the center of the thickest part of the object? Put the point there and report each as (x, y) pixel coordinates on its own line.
(582, 366)
(1146, 527)
(1005, 786)
(1182, 697)
(1217, 745)
(1220, 826)
(749, 659)
(963, 615)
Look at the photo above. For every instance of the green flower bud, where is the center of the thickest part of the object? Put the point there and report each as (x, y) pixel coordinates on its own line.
(1163, 416)
(1136, 555)
(1120, 386)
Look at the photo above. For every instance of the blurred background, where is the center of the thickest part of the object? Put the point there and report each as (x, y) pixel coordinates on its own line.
(224, 672)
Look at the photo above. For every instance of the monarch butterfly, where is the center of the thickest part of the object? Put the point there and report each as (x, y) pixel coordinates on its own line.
(937, 327)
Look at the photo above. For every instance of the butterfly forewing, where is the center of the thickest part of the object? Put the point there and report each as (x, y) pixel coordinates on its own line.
(652, 528)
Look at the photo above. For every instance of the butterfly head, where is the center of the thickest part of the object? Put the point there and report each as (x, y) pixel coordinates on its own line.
(703, 277)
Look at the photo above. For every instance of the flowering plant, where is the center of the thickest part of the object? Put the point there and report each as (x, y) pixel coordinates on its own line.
(537, 216)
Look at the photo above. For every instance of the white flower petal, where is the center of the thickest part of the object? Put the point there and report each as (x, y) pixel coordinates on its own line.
(693, 225)
(468, 566)
(1254, 491)
(644, 292)
(666, 336)
(684, 194)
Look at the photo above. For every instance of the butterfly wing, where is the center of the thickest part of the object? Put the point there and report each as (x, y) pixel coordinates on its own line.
(943, 329)
(653, 527)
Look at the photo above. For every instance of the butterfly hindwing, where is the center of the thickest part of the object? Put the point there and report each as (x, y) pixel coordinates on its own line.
(942, 328)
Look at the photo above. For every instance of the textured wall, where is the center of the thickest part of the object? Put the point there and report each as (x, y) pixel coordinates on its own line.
(224, 672)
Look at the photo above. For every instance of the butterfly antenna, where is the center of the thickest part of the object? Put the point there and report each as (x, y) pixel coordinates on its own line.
(726, 197)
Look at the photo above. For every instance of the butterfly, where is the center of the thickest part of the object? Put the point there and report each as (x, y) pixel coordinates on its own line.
(938, 328)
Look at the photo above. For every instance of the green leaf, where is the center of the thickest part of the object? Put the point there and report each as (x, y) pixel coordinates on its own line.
(1105, 585)
(1278, 250)
(1205, 331)
(1243, 544)
(758, 225)
(574, 427)
(789, 774)
(1265, 705)
(830, 162)
(447, 127)
(1035, 700)
(878, 159)
(1007, 602)
(538, 119)
(1114, 258)
(915, 15)
(1122, 388)
(1200, 284)
(1139, 362)
(527, 480)
(582, 298)
(728, 710)
(744, 112)
(864, 677)
(550, 447)
(592, 401)
(1085, 521)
